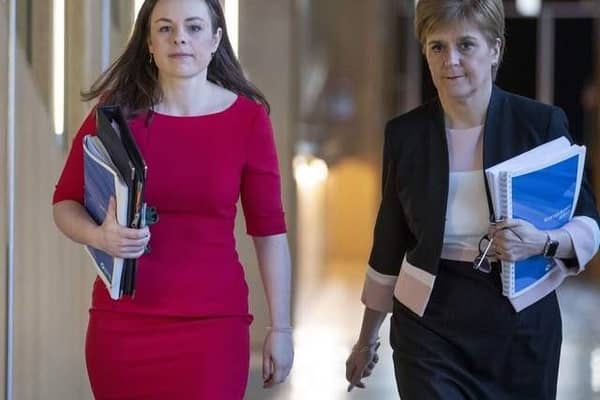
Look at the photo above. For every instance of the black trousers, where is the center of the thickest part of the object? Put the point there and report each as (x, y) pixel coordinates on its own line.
(472, 345)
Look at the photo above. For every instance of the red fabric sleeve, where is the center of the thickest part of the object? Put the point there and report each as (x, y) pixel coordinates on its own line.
(261, 185)
(70, 183)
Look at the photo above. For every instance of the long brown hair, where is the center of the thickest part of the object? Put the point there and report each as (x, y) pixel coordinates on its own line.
(132, 81)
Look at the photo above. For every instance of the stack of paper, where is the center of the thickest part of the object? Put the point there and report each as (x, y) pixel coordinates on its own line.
(540, 186)
(102, 180)
(113, 166)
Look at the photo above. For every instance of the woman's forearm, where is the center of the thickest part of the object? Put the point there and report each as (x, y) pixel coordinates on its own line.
(371, 323)
(565, 248)
(74, 221)
(275, 269)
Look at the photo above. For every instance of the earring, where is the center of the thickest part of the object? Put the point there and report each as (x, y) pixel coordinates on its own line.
(151, 59)
(212, 55)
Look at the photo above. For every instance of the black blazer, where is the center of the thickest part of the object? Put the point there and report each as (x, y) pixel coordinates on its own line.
(412, 213)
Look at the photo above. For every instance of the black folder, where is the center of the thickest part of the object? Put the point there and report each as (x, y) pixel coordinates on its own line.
(114, 133)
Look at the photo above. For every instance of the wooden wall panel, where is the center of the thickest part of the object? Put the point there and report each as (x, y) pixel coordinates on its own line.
(123, 20)
(3, 183)
(53, 276)
(42, 48)
(83, 59)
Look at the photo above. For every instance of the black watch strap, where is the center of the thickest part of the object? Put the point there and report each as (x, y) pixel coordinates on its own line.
(550, 247)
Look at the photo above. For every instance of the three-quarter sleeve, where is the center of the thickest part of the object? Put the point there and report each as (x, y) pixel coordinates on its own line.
(70, 182)
(261, 184)
(390, 238)
(584, 229)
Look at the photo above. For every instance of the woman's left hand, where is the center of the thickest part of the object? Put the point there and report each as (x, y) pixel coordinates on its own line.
(278, 356)
(516, 240)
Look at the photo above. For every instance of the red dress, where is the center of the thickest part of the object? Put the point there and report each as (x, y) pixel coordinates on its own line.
(185, 334)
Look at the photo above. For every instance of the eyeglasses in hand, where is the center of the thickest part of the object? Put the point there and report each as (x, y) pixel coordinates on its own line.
(481, 262)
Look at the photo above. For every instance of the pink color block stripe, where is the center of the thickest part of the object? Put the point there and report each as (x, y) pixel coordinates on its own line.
(465, 149)
(378, 291)
(585, 236)
(412, 292)
(459, 254)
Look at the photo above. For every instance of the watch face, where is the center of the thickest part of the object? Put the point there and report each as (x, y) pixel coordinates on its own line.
(551, 248)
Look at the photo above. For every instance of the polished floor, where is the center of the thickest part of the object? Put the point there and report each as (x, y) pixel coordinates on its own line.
(327, 328)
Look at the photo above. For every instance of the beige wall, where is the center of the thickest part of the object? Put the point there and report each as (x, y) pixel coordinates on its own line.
(83, 59)
(40, 41)
(3, 205)
(49, 308)
(266, 46)
(53, 276)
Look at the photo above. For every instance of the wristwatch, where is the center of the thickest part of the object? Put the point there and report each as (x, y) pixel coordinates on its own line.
(550, 247)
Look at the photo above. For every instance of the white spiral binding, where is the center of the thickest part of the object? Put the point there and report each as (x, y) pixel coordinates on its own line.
(508, 280)
(508, 268)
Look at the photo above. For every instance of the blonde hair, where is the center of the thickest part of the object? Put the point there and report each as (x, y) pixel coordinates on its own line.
(488, 15)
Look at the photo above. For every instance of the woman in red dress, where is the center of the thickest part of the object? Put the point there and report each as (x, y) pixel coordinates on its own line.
(206, 137)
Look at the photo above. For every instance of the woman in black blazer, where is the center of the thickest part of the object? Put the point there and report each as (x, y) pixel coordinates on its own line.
(453, 333)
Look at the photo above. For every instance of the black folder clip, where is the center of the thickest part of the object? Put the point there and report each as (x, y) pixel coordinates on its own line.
(151, 216)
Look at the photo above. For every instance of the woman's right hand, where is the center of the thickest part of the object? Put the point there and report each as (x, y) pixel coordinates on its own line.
(120, 241)
(360, 363)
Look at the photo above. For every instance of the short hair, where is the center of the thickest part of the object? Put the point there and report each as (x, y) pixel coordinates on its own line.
(488, 15)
